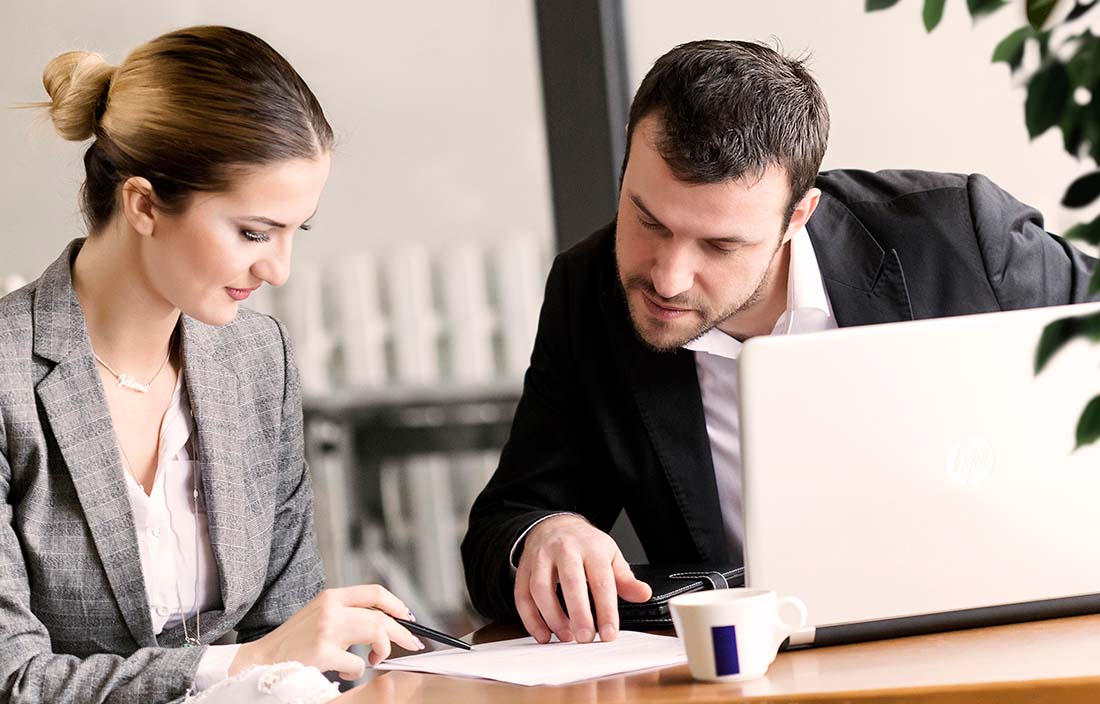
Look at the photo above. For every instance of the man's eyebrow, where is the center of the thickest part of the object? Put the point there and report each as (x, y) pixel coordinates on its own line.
(728, 239)
(645, 211)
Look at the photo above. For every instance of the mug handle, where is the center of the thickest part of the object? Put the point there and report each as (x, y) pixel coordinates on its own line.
(784, 629)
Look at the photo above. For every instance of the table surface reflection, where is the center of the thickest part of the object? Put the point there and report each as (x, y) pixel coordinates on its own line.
(1056, 660)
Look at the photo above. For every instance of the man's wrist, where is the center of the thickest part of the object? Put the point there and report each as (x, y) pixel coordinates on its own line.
(517, 547)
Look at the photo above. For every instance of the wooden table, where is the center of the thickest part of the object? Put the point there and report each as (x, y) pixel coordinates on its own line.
(1045, 661)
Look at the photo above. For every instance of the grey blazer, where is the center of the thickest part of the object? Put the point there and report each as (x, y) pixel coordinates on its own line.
(74, 618)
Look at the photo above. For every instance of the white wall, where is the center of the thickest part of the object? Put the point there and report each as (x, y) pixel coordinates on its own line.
(436, 105)
(898, 97)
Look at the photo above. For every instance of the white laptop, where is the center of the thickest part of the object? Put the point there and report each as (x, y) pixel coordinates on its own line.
(917, 477)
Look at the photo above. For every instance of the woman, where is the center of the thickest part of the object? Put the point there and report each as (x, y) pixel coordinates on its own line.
(155, 493)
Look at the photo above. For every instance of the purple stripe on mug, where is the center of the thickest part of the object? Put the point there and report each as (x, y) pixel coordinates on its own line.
(725, 650)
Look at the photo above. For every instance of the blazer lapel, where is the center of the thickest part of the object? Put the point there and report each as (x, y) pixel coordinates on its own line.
(213, 391)
(865, 283)
(76, 410)
(666, 389)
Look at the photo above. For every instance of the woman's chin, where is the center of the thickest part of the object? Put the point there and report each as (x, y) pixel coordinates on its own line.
(216, 317)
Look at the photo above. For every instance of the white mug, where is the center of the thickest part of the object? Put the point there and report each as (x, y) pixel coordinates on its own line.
(732, 635)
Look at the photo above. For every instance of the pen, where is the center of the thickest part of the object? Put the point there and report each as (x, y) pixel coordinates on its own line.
(432, 634)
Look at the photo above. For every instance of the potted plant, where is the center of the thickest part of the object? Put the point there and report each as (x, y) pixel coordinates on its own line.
(1063, 92)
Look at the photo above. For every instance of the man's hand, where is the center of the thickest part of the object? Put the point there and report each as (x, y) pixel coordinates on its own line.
(570, 551)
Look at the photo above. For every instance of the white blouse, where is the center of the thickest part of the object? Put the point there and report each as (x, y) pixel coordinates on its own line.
(177, 560)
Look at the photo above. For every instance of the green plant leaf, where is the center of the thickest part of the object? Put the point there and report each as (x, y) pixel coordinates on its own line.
(1082, 191)
(983, 7)
(1038, 12)
(1094, 283)
(1079, 9)
(1084, 63)
(1088, 427)
(1057, 334)
(874, 5)
(1048, 90)
(1073, 129)
(932, 14)
(1011, 48)
(1044, 44)
(1086, 232)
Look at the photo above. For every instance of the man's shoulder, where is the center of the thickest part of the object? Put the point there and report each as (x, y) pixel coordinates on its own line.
(855, 186)
(588, 265)
(593, 250)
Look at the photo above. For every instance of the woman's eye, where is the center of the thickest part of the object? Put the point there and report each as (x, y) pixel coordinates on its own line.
(254, 236)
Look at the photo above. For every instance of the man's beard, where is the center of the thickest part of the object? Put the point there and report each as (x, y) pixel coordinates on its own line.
(710, 319)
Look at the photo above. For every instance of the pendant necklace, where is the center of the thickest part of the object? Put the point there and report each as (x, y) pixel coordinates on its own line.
(129, 382)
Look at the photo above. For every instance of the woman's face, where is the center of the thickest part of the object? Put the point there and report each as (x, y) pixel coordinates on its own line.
(207, 259)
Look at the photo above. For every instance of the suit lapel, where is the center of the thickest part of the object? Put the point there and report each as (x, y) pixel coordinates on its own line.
(213, 391)
(666, 389)
(76, 410)
(865, 284)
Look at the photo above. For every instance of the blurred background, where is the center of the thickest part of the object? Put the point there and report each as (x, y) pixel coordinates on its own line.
(476, 139)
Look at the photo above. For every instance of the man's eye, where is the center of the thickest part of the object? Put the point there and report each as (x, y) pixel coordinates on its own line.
(720, 248)
(649, 225)
(254, 236)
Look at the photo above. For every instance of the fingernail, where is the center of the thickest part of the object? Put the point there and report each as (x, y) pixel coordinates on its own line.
(412, 616)
(421, 644)
(584, 635)
(608, 632)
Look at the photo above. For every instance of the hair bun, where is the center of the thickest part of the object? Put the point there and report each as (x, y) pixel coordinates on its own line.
(76, 81)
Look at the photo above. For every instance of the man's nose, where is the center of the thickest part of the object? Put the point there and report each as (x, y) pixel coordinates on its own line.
(673, 272)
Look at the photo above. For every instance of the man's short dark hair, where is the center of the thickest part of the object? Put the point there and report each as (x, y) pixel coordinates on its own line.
(730, 109)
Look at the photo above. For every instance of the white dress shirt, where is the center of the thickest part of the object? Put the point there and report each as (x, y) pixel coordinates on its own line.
(181, 577)
(808, 310)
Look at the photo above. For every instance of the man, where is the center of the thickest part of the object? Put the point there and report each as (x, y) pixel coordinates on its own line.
(725, 230)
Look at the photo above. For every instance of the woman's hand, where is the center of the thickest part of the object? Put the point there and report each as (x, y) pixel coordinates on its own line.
(323, 630)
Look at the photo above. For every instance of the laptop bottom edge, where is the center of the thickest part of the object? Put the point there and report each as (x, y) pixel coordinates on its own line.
(924, 624)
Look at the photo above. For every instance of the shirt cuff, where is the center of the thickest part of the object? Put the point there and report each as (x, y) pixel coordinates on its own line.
(214, 665)
(515, 545)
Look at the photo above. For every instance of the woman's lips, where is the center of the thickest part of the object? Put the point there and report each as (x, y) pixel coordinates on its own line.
(239, 294)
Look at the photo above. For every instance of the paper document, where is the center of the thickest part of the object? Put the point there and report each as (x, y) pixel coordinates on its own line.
(524, 661)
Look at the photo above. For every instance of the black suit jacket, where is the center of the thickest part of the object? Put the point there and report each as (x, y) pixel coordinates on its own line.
(605, 424)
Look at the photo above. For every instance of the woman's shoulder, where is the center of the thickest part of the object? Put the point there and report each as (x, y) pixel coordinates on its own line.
(17, 322)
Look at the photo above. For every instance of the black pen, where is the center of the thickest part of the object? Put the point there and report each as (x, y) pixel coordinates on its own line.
(432, 634)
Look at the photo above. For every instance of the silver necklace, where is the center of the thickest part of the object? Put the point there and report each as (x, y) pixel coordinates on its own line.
(129, 382)
(188, 641)
(129, 465)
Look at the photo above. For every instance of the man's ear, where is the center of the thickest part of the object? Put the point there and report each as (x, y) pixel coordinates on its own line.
(802, 212)
(139, 205)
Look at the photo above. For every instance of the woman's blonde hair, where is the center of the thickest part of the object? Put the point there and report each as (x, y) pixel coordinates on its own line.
(187, 111)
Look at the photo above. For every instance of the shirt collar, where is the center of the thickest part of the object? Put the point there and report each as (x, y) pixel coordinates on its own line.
(808, 308)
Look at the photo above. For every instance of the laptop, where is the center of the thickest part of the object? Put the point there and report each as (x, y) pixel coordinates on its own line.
(917, 477)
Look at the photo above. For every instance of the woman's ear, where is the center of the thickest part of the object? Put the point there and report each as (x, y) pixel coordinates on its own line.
(138, 205)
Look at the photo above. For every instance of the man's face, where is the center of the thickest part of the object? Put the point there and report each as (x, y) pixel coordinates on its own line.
(694, 256)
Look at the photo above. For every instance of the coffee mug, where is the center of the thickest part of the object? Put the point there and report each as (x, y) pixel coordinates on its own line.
(732, 635)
